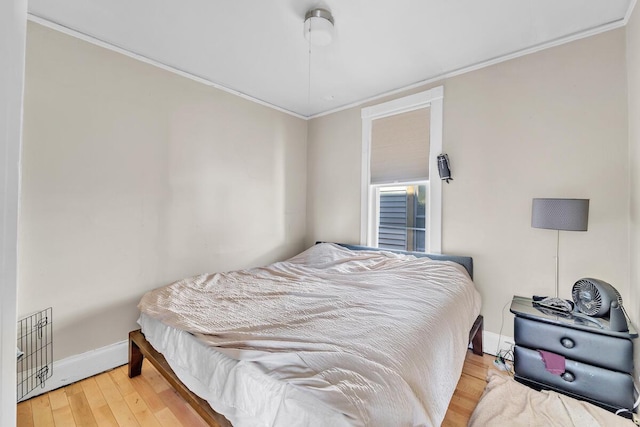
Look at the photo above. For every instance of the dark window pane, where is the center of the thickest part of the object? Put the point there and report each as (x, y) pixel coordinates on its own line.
(402, 218)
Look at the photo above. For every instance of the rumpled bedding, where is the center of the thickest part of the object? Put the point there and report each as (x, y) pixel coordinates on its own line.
(377, 337)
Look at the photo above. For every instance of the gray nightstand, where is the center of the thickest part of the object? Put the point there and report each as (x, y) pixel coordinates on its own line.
(598, 361)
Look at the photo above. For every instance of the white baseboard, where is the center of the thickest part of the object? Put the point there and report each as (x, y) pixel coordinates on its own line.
(85, 365)
(492, 343)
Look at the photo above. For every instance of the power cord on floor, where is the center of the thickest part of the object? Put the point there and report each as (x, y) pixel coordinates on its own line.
(503, 357)
(504, 360)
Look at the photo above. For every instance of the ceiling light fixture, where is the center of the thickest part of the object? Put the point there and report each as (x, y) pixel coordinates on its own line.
(318, 27)
(318, 30)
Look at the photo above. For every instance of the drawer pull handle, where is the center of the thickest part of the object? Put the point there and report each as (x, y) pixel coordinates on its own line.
(568, 377)
(567, 343)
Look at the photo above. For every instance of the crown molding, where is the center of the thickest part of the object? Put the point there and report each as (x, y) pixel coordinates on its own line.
(479, 65)
(483, 64)
(95, 41)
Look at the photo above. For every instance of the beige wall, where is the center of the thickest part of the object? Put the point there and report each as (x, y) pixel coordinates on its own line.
(633, 82)
(134, 177)
(333, 186)
(550, 124)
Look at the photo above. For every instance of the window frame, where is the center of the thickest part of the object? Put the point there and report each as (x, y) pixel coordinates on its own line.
(433, 99)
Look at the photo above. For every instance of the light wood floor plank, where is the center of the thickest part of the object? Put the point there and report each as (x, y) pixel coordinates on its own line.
(471, 385)
(42, 415)
(112, 399)
(123, 414)
(119, 407)
(156, 380)
(99, 407)
(62, 413)
(455, 419)
(63, 417)
(168, 419)
(93, 393)
(182, 411)
(104, 416)
(122, 381)
(58, 399)
(108, 388)
(25, 414)
(469, 389)
(141, 411)
(75, 388)
(146, 391)
(81, 410)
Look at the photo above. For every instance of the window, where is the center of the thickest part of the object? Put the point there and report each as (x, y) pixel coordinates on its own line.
(401, 212)
(401, 206)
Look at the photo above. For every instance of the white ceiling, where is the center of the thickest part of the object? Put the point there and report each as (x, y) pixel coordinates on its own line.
(257, 47)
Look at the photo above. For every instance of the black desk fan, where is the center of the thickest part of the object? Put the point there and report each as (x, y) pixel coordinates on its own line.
(597, 298)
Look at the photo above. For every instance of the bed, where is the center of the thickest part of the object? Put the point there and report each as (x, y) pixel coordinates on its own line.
(338, 335)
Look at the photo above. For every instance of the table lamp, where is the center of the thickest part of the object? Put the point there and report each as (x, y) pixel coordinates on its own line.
(560, 214)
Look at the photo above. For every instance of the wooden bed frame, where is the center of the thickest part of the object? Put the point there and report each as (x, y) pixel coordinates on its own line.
(139, 348)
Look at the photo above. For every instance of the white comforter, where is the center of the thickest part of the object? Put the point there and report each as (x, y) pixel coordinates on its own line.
(377, 339)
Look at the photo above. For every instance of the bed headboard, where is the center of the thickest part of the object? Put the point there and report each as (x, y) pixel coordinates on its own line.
(465, 261)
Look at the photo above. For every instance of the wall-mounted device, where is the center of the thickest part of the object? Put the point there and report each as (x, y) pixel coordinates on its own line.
(597, 298)
(443, 168)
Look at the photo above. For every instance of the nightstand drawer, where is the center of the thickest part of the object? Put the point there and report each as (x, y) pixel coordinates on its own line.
(595, 349)
(609, 387)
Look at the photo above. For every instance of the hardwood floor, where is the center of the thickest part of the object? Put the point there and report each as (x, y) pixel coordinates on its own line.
(114, 399)
(111, 399)
(469, 389)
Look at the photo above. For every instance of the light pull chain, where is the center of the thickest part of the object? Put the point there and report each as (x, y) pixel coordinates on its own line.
(309, 71)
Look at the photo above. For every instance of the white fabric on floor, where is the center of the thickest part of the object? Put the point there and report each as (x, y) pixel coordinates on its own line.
(508, 403)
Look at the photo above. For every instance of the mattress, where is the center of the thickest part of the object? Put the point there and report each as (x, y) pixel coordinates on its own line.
(329, 337)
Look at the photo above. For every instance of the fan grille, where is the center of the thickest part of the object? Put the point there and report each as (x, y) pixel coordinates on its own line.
(587, 297)
(593, 297)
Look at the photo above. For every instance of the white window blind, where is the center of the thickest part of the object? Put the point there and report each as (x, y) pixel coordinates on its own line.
(400, 147)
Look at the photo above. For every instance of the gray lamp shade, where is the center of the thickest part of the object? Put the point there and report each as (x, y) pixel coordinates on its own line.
(560, 214)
